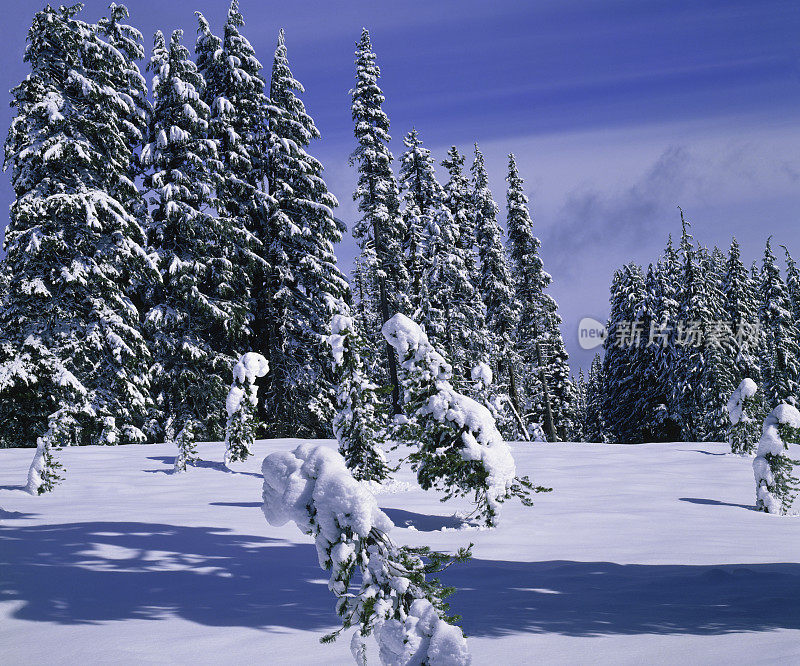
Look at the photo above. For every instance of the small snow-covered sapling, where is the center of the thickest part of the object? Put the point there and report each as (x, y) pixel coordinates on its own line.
(741, 410)
(381, 588)
(458, 447)
(241, 405)
(360, 422)
(776, 485)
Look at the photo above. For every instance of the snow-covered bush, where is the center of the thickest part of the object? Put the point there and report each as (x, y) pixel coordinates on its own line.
(184, 440)
(742, 408)
(241, 404)
(507, 419)
(360, 421)
(776, 486)
(392, 598)
(459, 449)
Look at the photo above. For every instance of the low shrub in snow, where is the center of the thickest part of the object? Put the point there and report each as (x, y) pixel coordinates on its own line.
(382, 588)
(742, 410)
(776, 485)
(459, 449)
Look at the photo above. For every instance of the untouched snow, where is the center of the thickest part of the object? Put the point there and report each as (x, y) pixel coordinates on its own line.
(641, 554)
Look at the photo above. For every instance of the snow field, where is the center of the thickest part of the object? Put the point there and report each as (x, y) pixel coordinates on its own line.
(641, 554)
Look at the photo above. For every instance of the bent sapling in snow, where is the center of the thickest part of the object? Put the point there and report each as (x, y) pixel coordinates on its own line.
(459, 449)
(742, 408)
(381, 588)
(360, 421)
(242, 403)
(776, 485)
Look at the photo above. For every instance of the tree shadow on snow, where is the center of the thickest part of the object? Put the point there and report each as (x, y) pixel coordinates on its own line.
(422, 522)
(86, 573)
(201, 464)
(22, 488)
(14, 515)
(713, 502)
(248, 505)
(601, 598)
(91, 572)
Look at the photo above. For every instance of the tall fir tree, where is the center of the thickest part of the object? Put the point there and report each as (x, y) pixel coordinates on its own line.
(495, 283)
(793, 284)
(741, 311)
(594, 429)
(235, 95)
(297, 300)
(195, 322)
(621, 383)
(458, 199)
(74, 246)
(380, 231)
(780, 366)
(539, 340)
(421, 196)
(456, 314)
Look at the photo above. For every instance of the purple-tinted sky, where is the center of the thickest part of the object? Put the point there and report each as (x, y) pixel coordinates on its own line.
(618, 111)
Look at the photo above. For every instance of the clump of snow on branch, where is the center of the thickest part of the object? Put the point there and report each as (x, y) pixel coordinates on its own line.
(241, 406)
(460, 449)
(776, 486)
(482, 374)
(312, 487)
(744, 427)
(360, 421)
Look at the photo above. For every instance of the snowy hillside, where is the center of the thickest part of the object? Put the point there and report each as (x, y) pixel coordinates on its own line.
(641, 554)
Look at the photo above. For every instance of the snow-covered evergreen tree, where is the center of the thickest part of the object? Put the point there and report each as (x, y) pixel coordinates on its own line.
(539, 340)
(741, 311)
(381, 588)
(458, 448)
(593, 426)
(776, 485)
(699, 389)
(793, 284)
(235, 94)
(294, 304)
(197, 319)
(718, 350)
(422, 197)
(458, 199)
(451, 310)
(74, 247)
(780, 366)
(495, 283)
(621, 383)
(380, 230)
(743, 410)
(360, 422)
(126, 78)
(242, 407)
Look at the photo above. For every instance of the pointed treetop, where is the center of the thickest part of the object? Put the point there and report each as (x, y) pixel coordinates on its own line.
(366, 43)
(158, 41)
(234, 15)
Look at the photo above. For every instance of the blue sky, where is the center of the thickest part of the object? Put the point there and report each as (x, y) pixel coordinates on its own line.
(618, 111)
